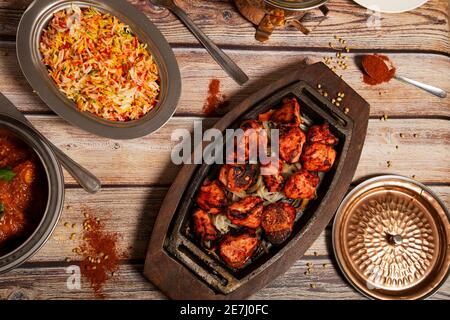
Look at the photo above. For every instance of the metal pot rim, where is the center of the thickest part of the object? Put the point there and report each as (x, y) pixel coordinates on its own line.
(55, 181)
(296, 6)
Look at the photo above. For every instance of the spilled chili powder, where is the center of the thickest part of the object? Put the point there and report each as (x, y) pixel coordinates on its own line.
(100, 254)
(378, 69)
(214, 100)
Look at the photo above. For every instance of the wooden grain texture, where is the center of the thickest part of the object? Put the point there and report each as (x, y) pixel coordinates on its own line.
(394, 98)
(424, 29)
(49, 282)
(44, 276)
(417, 41)
(146, 161)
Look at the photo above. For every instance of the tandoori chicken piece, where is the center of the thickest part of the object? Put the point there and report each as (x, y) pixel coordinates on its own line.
(203, 227)
(237, 178)
(254, 138)
(277, 221)
(211, 195)
(274, 182)
(302, 185)
(288, 113)
(246, 212)
(318, 157)
(291, 143)
(236, 250)
(322, 134)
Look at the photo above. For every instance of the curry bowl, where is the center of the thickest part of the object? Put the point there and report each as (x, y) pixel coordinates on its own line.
(37, 17)
(29, 214)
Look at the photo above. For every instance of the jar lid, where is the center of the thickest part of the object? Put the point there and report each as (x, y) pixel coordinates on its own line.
(391, 237)
(296, 4)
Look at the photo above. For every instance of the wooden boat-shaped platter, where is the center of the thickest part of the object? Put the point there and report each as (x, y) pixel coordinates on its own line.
(182, 269)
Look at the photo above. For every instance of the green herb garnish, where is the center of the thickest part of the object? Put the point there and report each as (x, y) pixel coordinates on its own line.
(2, 210)
(7, 174)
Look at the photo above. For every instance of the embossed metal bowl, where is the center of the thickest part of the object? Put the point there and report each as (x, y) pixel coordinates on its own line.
(29, 32)
(391, 238)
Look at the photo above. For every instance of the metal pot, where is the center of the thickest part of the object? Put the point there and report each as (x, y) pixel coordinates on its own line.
(55, 183)
(268, 14)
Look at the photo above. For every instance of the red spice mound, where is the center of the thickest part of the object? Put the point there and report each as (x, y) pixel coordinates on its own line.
(100, 254)
(378, 69)
(214, 101)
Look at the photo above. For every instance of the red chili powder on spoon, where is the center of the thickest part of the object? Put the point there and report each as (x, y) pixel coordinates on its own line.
(378, 69)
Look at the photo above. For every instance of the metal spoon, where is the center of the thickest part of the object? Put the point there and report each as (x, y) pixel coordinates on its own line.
(87, 180)
(221, 58)
(433, 90)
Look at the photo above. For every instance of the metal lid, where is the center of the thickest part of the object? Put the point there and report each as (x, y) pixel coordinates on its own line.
(391, 238)
(296, 4)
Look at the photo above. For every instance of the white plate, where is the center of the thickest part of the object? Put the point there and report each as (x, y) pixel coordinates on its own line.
(391, 6)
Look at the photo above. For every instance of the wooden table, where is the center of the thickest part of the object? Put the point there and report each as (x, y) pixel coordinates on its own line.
(136, 174)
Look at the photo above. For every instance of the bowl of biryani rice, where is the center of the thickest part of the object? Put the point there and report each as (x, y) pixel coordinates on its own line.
(101, 65)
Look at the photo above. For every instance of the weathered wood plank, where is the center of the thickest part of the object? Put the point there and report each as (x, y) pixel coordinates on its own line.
(147, 160)
(131, 213)
(50, 283)
(425, 28)
(197, 68)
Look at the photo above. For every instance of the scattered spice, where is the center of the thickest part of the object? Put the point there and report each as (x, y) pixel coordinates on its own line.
(100, 253)
(402, 135)
(340, 59)
(377, 68)
(313, 285)
(214, 100)
(389, 163)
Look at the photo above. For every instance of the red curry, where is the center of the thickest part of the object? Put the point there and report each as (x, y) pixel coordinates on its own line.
(23, 192)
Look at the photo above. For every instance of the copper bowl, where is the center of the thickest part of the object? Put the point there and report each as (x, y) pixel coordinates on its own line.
(391, 238)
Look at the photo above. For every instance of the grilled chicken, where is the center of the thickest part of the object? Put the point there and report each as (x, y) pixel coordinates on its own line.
(322, 134)
(237, 178)
(278, 221)
(246, 212)
(211, 195)
(274, 182)
(288, 113)
(203, 227)
(291, 143)
(255, 137)
(318, 157)
(236, 251)
(301, 185)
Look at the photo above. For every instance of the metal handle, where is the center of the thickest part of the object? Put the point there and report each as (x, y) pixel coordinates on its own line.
(87, 180)
(221, 58)
(433, 90)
